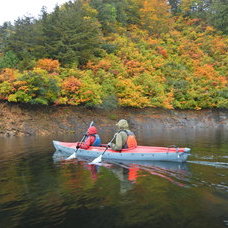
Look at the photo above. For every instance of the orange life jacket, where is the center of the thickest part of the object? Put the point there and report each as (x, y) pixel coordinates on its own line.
(131, 140)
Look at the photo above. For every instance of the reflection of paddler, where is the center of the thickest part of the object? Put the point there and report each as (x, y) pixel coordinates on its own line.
(93, 169)
(133, 173)
(122, 174)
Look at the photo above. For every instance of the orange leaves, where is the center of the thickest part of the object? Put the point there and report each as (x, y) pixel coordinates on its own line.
(191, 49)
(8, 74)
(134, 67)
(71, 84)
(49, 65)
(104, 64)
(193, 21)
(206, 71)
(213, 79)
(70, 89)
(219, 45)
(152, 42)
(153, 9)
(20, 85)
(76, 91)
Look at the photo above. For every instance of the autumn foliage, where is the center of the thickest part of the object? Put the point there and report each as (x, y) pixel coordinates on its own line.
(152, 59)
(49, 65)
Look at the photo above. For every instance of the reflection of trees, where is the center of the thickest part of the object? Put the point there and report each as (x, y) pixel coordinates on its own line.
(11, 191)
(34, 192)
(28, 193)
(157, 203)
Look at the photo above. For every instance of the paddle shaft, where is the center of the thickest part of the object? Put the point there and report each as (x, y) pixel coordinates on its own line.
(99, 158)
(108, 143)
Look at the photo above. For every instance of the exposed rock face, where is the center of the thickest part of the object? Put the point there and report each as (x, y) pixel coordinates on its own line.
(18, 119)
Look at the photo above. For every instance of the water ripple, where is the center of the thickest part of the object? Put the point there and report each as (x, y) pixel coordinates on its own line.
(214, 164)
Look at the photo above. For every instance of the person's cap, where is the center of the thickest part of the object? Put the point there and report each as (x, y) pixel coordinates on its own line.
(122, 124)
(92, 130)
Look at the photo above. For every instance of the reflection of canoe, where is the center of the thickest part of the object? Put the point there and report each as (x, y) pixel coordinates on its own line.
(129, 171)
(142, 153)
(175, 172)
(173, 166)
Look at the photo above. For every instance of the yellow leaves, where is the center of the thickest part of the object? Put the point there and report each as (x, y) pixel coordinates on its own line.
(197, 108)
(210, 29)
(61, 100)
(21, 85)
(131, 95)
(87, 18)
(155, 16)
(152, 9)
(186, 5)
(40, 71)
(158, 62)
(18, 84)
(167, 103)
(88, 10)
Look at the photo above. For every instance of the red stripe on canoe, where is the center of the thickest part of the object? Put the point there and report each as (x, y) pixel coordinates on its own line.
(138, 149)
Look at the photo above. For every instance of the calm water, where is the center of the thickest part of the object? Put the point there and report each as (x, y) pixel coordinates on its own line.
(36, 191)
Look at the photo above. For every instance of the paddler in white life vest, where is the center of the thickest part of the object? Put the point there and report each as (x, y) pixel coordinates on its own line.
(124, 137)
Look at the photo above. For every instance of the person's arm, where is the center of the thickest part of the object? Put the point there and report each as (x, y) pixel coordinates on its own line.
(88, 142)
(118, 145)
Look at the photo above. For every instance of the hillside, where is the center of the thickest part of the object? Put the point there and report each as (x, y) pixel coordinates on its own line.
(111, 53)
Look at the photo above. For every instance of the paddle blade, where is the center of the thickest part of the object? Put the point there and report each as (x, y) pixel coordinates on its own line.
(96, 160)
(72, 156)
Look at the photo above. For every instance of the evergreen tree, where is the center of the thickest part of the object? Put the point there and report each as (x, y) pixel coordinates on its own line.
(218, 15)
(5, 31)
(72, 33)
(26, 40)
(8, 60)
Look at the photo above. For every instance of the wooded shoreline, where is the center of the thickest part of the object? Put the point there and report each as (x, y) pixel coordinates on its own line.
(25, 120)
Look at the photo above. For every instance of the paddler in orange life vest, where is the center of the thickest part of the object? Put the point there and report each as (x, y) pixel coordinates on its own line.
(124, 137)
(92, 139)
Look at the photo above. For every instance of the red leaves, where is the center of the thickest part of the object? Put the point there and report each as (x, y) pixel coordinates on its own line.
(162, 51)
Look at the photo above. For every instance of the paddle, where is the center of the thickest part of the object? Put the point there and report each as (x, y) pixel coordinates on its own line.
(99, 158)
(72, 156)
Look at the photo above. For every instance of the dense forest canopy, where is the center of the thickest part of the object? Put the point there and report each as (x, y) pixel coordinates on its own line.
(109, 53)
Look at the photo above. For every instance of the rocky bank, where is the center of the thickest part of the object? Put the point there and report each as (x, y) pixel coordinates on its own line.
(20, 119)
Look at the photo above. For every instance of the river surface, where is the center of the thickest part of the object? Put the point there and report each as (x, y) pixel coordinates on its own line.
(37, 191)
